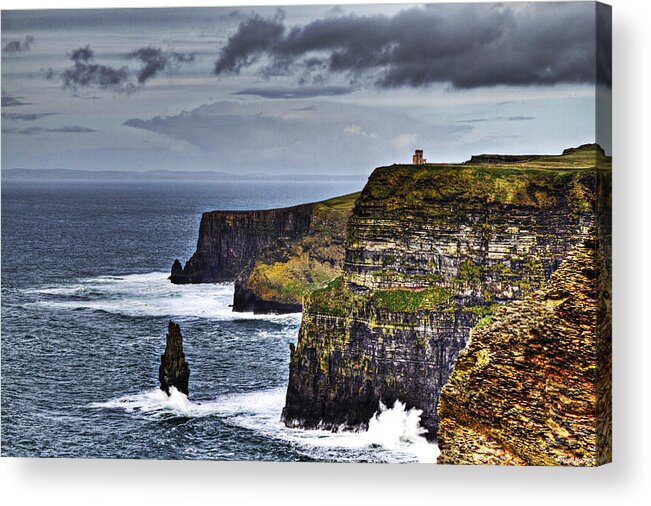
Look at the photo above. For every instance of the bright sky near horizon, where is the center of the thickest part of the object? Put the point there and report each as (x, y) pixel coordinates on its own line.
(302, 90)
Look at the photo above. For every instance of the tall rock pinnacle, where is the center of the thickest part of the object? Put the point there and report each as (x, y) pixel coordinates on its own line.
(174, 370)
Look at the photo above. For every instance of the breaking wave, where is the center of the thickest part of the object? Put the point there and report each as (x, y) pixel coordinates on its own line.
(394, 434)
(149, 294)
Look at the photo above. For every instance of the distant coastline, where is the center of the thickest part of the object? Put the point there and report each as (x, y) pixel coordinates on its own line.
(158, 175)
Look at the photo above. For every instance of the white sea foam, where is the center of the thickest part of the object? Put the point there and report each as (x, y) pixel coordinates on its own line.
(156, 403)
(397, 427)
(394, 434)
(150, 294)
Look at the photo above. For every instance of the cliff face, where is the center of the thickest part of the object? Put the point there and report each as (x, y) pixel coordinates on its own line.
(228, 240)
(274, 256)
(533, 385)
(431, 250)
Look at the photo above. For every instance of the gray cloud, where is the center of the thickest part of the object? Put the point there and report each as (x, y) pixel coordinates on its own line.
(479, 120)
(26, 116)
(72, 129)
(132, 19)
(277, 137)
(155, 60)
(9, 101)
(68, 129)
(465, 45)
(299, 92)
(495, 118)
(18, 46)
(306, 108)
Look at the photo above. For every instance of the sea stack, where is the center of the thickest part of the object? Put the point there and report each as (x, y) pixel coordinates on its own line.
(174, 370)
(178, 276)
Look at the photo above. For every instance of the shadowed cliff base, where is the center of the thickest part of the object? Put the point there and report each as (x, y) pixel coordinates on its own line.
(533, 386)
(432, 250)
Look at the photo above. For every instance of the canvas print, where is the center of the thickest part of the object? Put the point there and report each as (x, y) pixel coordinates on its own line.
(341, 233)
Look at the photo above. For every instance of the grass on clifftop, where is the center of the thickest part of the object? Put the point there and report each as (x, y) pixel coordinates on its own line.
(584, 157)
(542, 182)
(342, 203)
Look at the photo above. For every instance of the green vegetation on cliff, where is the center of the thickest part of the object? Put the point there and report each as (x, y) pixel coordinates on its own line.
(334, 299)
(286, 272)
(410, 300)
(337, 300)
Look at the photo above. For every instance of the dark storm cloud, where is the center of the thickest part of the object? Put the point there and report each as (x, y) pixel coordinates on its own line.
(299, 92)
(155, 60)
(466, 45)
(68, 129)
(83, 54)
(27, 116)
(254, 36)
(520, 118)
(18, 46)
(85, 74)
(604, 34)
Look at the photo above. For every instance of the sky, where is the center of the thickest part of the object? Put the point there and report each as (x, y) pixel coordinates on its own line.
(334, 90)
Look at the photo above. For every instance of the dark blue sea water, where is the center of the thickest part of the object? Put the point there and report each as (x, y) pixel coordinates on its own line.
(85, 303)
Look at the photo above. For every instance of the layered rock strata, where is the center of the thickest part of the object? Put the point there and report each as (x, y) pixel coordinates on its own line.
(174, 370)
(228, 240)
(431, 250)
(533, 385)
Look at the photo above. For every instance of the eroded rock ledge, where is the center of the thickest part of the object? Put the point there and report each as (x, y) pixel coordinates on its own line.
(533, 385)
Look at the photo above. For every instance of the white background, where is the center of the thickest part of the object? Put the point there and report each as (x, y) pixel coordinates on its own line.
(626, 481)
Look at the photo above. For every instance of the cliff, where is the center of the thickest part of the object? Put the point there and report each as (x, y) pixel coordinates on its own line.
(533, 385)
(275, 256)
(174, 370)
(228, 240)
(431, 250)
(283, 273)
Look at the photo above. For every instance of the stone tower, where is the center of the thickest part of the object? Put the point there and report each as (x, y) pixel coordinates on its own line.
(418, 159)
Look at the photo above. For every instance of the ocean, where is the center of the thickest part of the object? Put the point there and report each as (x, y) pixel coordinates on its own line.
(85, 305)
